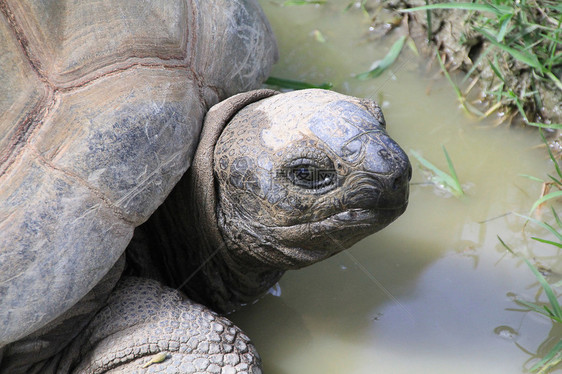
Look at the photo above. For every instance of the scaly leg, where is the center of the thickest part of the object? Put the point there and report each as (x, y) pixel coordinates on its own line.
(144, 321)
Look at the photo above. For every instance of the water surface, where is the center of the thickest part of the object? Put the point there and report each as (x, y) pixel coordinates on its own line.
(434, 292)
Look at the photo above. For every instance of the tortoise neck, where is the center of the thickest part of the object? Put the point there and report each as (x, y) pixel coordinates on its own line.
(183, 248)
(232, 276)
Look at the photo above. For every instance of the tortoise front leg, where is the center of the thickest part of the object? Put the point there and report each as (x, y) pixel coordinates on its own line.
(149, 328)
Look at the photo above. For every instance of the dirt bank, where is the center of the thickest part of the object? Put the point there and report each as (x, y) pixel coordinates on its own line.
(452, 33)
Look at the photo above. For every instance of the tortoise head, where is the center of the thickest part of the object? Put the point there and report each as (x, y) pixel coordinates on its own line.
(301, 176)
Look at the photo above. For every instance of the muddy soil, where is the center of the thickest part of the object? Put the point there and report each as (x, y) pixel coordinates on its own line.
(460, 47)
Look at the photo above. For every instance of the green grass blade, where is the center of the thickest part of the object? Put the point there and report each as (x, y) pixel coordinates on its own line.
(556, 311)
(510, 94)
(496, 70)
(549, 312)
(556, 314)
(465, 106)
(442, 177)
(428, 165)
(386, 62)
(469, 109)
(534, 308)
(556, 218)
(505, 245)
(429, 23)
(536, 94)
(555, 7)
(442, 65)
(549, 196)
(295, 85)
(555, 181)
(556, 126)
(556, 244)
(412, 45)
(554, 79)
(532, 178)
(527, 58)
(551, 359)
(499, 10)
(452, 171)
(543, 225)
(504, 28)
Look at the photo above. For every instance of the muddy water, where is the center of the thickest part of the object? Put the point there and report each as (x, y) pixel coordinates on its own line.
(434, 292)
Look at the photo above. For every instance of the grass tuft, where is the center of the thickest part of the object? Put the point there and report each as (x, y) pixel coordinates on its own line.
(555, 181)
(449, 182)
(552, 311)
(520, 36)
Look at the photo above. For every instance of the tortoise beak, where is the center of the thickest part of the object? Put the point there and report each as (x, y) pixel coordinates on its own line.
(378, 192)
(382, 182)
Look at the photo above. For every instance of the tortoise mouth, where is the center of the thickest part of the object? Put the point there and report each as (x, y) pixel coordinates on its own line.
(352, 225)
(307, 243)
(373, 216)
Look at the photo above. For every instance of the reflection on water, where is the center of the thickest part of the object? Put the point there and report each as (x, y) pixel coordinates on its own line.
(434, 292)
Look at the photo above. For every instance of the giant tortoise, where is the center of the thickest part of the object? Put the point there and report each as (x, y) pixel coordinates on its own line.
(105, 105)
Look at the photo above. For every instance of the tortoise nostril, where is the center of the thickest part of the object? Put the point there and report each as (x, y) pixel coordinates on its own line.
(398, 182)
(384, 154)
(402, 180)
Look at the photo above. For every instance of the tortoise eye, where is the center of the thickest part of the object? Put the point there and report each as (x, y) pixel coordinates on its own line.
(302, 175)
(310, 176)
